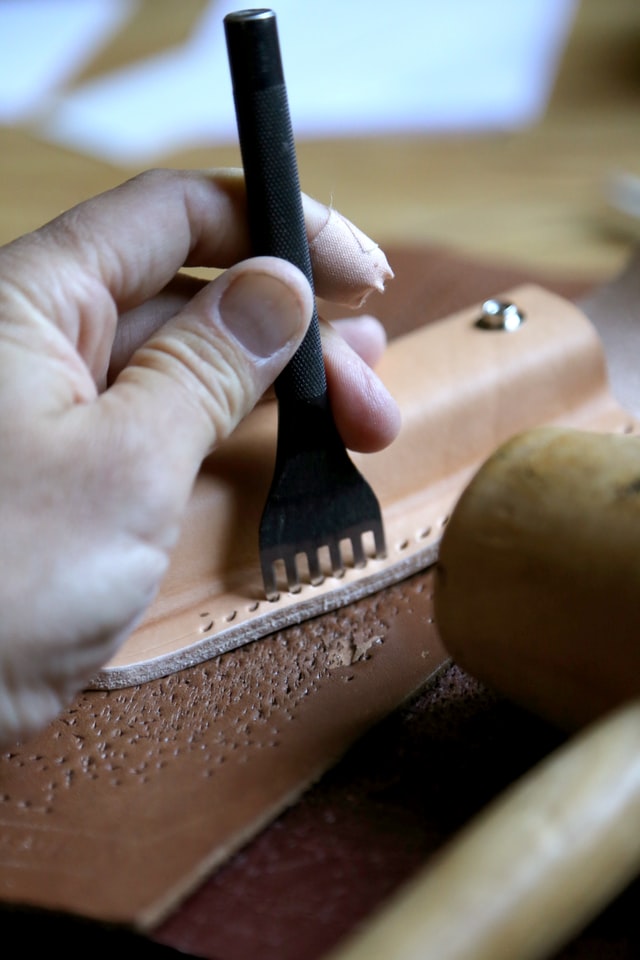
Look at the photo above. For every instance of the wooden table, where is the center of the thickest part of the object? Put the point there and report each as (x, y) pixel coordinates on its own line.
(533, 196)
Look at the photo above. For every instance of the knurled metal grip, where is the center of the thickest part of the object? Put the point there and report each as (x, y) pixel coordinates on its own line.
(274, 203)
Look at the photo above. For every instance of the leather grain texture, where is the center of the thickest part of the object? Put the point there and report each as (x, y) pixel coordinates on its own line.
(124, 806)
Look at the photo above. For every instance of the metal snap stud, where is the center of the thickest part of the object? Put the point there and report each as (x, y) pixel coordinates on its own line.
(500, 315)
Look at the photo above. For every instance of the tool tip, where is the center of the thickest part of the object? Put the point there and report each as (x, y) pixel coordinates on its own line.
(253, 48)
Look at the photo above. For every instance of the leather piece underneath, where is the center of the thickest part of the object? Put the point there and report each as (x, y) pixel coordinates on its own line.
(118, 788)
(132, 796)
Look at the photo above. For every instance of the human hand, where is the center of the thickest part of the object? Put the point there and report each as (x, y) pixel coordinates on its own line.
(118, 379)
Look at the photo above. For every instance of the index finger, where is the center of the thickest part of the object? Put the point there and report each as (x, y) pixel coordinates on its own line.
(134, 238)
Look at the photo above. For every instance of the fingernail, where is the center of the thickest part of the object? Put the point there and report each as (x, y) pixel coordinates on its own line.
(262, 312)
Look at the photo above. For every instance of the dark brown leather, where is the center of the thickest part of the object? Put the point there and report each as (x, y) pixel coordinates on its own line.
(114, 798)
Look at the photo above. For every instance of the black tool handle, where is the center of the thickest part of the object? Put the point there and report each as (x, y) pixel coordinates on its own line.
(276, 219)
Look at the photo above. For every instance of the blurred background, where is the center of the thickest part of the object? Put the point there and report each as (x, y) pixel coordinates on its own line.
(509, 131)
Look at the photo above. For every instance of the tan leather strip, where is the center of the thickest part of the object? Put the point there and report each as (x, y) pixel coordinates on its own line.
(462, 391)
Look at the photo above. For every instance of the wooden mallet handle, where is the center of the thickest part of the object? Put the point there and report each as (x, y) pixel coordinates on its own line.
(531, 870)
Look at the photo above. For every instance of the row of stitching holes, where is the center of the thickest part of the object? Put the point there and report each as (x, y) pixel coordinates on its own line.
(206, 616)
(423, 534)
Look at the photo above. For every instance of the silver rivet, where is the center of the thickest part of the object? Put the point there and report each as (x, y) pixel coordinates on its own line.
(500, 315)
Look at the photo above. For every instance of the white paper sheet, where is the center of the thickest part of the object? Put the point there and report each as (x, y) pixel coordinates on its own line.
(44, 43)
(353, 67)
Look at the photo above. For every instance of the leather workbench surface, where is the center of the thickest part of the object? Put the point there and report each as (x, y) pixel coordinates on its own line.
(404, 788)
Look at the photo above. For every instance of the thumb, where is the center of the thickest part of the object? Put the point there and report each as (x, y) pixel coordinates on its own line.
(193, 381)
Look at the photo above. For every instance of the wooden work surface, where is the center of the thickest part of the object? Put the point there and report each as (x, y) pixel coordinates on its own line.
(533, 197)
